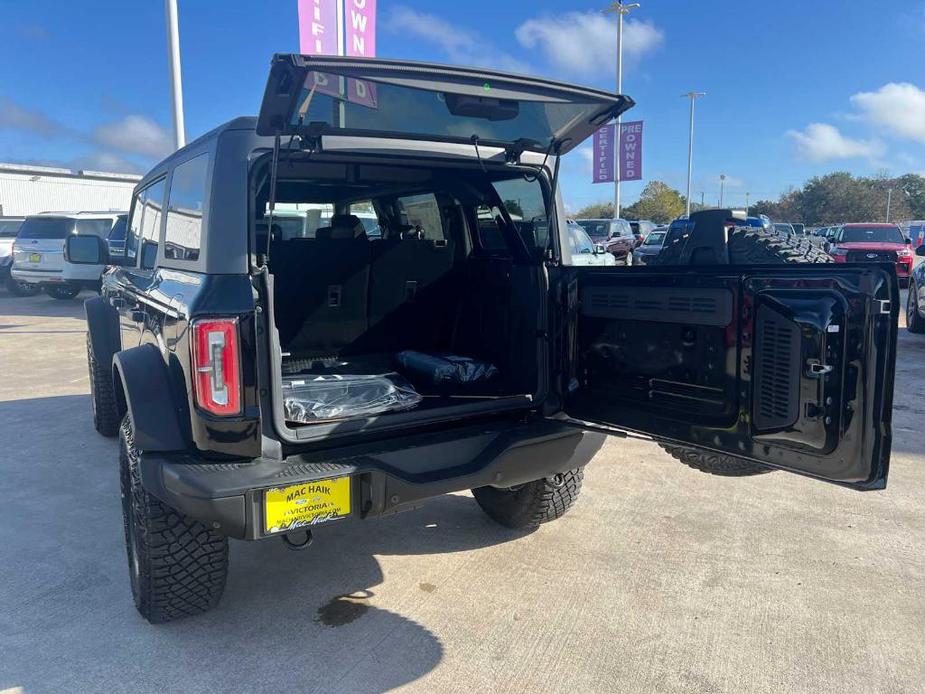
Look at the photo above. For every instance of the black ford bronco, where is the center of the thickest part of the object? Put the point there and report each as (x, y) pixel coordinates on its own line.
(361, 299)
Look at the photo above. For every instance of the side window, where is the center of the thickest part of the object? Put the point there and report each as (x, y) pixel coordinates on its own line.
(422, 214)
(526, 205)
(367, 214)
(183, 237)
(490, 236)
(134, 225)
(151, 224)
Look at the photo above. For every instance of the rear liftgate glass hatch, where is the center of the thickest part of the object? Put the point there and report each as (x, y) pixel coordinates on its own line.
(790, 366)
(349, 105)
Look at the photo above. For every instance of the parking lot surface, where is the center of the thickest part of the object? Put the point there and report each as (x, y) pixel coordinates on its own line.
(660, 579)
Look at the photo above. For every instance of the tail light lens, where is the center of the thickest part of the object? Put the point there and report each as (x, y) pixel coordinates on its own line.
(217, 365)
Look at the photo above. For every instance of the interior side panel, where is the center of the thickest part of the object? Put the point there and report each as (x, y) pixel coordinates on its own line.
(784, 366)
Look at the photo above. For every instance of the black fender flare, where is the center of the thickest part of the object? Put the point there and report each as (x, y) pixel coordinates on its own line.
(149, 400)
(103, 329)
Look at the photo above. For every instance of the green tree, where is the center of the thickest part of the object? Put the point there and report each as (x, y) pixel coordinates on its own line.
(659, 202)
(597, 210)
(913, 188)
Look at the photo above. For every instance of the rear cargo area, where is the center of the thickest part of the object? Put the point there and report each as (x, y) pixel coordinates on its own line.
(396, 295)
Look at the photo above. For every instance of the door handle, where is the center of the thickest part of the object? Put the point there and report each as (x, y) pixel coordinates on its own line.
(816, 369)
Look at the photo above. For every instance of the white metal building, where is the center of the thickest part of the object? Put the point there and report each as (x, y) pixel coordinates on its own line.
(27, 189)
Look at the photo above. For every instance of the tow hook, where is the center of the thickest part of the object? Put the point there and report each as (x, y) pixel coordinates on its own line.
(295, 545)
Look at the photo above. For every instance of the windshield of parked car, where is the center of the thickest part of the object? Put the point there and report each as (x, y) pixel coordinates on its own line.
(595, 228)
(655, 238)
(876, 234)
(579, 241)
(118, 230)
(9, 228)
(45, 228)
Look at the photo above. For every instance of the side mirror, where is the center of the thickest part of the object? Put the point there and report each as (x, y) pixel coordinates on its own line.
(86, 250)
(907, 240)
(599, 249)
(827, 246)
(920, 250)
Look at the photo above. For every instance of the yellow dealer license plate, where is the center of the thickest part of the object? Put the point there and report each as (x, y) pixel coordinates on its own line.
(306, 504)
(35, 257)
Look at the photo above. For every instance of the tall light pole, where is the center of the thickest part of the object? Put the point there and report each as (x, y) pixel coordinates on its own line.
(690, 146)
(621, 9)
(746, 204)
(889, 199)
(176, 81)
(722, 189)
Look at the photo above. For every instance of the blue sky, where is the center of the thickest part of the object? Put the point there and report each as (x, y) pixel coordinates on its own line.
(793, 90)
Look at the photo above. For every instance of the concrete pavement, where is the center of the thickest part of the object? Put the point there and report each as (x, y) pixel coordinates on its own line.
(660, 579)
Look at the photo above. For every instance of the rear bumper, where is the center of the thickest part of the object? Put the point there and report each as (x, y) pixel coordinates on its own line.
(66, 276)
(386, 479)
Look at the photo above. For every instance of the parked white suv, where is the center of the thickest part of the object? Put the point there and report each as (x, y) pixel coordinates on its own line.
(39, 257)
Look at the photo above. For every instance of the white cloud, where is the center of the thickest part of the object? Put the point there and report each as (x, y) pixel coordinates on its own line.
(460, 46)
(135, 135)
(16, 117)
(104, 161)
(819, 142)
(898, 107)
(586, 42)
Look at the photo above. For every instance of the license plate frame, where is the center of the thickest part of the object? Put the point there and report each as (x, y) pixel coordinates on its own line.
(306, 504)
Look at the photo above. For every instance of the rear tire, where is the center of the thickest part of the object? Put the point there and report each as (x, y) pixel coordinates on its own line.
(914, 322)
(715, 463)
(17, 288)
(531, 504)
(177, 565)
(102, 396)
(62, 292)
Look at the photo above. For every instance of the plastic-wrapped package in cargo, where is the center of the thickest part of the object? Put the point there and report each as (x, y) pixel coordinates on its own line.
(310, 399)
(445, 369)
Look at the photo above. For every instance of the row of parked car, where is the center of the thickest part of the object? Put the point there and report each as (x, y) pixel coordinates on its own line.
(33, 256)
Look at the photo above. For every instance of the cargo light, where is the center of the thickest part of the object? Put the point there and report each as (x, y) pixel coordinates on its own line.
(216, 365)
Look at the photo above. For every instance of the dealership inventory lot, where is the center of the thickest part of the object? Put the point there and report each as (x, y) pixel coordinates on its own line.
(660, 578)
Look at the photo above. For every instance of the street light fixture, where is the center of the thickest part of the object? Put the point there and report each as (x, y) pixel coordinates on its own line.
(621, 9)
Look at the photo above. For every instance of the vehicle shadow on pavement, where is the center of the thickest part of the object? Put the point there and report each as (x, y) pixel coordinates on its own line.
(296, 621)
(42, 305)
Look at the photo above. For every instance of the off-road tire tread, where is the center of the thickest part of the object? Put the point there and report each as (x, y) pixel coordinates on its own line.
(532, 504)
(715, 463)
(749, 246)
(106, 414)
(183, 563)
(917, 323)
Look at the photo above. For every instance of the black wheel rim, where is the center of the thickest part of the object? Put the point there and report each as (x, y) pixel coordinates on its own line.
(911, 305)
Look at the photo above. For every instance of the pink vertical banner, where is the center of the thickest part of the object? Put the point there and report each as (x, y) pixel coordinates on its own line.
(318, 27)
(361, 43)
(603, 149)
(631, 151)
(361, 28)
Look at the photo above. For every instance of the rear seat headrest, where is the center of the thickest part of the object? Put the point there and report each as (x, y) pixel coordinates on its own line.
(347, 226)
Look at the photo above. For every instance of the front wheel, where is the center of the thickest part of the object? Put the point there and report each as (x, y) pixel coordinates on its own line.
(533, 503)
(914, 322)
(62, 292)
(177, 565)
(17, 288)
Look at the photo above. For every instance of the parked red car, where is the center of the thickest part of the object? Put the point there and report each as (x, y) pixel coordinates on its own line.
(873, 243)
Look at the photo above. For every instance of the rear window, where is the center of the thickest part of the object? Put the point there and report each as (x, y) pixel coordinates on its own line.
(654, 239)
(9, 228)
(46, 228)
(94, 227)
(595, 228)
(422, 214)
(118, 230)
(184, 209)
(872, 234)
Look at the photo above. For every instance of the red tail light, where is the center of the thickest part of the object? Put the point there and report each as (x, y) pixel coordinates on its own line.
(217, 365)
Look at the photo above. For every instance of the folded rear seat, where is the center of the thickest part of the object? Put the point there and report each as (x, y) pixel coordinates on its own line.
(322, 287)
